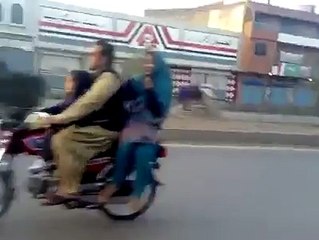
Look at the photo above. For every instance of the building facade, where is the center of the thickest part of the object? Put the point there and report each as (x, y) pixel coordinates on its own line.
(273, 41)
(53, 38)
(217, 15)
(284, 41)
(272, 38)
(17, 34)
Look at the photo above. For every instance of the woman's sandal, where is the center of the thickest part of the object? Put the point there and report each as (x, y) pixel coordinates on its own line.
(54, 199)
(101, 200)
(97, 204)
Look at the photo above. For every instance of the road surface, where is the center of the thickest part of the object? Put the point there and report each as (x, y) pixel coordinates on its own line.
(220, 193)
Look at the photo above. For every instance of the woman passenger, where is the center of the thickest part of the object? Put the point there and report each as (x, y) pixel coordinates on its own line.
(147, 113)
(75, 85)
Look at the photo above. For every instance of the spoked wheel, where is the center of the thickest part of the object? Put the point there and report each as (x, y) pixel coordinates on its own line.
(119, 208)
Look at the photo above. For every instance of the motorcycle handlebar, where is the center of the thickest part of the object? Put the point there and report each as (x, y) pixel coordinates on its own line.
(13, 125)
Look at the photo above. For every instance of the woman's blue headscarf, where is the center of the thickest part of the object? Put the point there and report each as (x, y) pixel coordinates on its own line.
(163, 86)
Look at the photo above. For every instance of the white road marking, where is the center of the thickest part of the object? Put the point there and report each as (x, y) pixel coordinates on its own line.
(238, 147)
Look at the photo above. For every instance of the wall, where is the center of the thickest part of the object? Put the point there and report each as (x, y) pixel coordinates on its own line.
(309, 56)
(217, 79)
(179, 15)
(219, 16)
(289, 25)
(17, 39)
(30, 16)
(17, 59)
(53, 50)
(230, 19)
(296, 37)
(201, 45)
(200, 19)
(261, 94)
(258, 50)
(69, 41)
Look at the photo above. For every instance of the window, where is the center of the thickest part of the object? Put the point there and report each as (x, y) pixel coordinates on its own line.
(298, 28)
(260, 49)
(265, 18)
(261, 18)
(17, 14)
(290, 57)
(266, 22)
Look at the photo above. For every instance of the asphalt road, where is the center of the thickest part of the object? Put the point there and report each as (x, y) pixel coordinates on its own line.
(211, 193)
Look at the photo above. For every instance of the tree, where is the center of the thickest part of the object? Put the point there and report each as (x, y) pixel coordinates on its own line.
(19, 93)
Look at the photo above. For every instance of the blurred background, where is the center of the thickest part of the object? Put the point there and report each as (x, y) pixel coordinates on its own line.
(252, 56)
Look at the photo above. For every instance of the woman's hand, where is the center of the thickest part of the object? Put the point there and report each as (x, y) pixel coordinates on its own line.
(148, 63)
(148, 82)
(148, 69)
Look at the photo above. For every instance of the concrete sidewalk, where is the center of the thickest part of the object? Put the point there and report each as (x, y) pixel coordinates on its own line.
(246, 129)
(205, 124)
(190, 129)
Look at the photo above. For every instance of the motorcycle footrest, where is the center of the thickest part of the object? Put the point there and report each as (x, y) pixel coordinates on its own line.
(89, 189)
(85, 201)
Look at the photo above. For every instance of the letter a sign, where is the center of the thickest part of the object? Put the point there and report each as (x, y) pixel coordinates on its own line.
(147, 36)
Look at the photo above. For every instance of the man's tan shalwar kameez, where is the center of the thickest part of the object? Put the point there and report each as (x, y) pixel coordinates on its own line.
(73, 146)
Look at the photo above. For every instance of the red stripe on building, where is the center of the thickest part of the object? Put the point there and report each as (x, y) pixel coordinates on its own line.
(123, 34)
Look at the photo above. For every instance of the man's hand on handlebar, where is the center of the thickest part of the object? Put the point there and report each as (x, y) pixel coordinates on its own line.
(46, 121)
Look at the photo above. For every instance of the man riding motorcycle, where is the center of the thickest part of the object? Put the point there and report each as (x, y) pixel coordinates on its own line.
(95, 120)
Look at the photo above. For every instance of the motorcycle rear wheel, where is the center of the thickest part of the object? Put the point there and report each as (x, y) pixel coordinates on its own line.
(132, 216)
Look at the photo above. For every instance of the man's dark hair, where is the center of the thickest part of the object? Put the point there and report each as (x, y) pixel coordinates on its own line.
(108, 52)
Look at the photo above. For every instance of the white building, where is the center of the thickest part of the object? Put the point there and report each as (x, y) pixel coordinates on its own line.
(53, 38)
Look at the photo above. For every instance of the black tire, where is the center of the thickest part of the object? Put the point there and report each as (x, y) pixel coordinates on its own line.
(133, 216)
(7, 195)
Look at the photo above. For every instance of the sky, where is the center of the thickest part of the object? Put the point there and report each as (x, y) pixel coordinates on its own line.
(136, 7)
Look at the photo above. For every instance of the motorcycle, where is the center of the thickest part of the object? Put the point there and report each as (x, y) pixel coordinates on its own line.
(16, 139)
